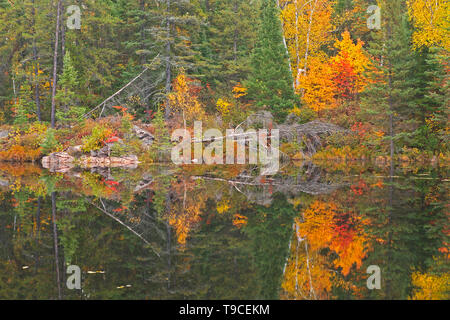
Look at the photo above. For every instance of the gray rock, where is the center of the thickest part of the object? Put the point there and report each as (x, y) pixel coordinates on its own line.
(75, 151)
(4, 134)
(58, 162)
(105, 151)
(58, 157)
(146, 137)
(4, 183)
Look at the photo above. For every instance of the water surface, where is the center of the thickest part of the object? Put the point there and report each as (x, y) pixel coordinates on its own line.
(310, 232)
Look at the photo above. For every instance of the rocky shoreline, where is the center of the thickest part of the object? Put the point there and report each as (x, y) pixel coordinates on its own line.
(75, 157)
(63, 162)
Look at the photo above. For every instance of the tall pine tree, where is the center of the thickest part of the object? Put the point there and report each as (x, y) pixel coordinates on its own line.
(170, 38)
(68, 111)
(270, 83)
(387, 101)
(432, 105)
(227, 40)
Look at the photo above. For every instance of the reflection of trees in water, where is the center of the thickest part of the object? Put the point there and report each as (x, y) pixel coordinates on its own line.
(29, 259)
(176, 237)
(410, 228)
(401, 223)
(187, 202)
(260, 190)
(168, 210)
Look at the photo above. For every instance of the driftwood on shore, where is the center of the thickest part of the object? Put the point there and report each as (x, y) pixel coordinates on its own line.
(308, 135)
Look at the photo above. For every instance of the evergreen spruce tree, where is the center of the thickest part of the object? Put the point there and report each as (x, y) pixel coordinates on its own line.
(24, 106)
(68, 112)
(50, 143)
(432, 134)
(428, 107)
(270, 83)
(160, 148)
(387, 101)
(172, 23)
(226, 42)
(24, 51)
(21, 118)
(96, 51)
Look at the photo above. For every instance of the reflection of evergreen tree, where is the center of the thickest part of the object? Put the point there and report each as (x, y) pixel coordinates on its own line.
(409, 230)
(269, 230)
(221, 266)
(26, 248)
(220, 260)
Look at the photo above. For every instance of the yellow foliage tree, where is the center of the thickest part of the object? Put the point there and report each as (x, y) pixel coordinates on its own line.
(356, 57)
(431, 21)
(307, 27)
(318, 87)
(223, 107)
(321, 86)
(183, 99)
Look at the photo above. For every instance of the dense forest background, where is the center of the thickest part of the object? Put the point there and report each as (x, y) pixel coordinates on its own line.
(385, 79)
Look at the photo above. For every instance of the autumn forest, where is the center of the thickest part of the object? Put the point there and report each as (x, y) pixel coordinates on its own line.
(92, 90)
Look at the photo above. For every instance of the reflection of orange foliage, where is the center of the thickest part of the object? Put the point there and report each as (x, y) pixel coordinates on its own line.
(19, 171)
(186, 212)
(350, 248)
(239, 220)
(307, 275)
(318, 224)
(183, 222)
(324, 227)
(339, 154)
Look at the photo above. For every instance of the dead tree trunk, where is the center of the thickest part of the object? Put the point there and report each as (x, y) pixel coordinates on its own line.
(55, 63)
(168, 62)
(37, 99)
